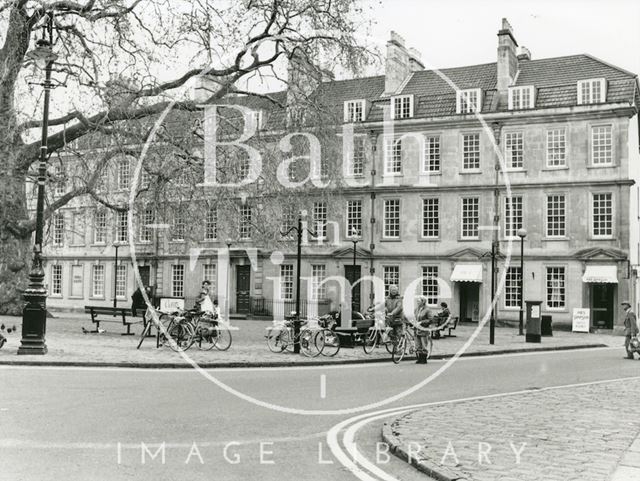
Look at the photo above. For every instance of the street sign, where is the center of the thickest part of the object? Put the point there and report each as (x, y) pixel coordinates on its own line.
(581, 320)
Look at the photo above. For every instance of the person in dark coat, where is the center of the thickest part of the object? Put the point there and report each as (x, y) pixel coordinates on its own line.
(137, 300)
(630, 327)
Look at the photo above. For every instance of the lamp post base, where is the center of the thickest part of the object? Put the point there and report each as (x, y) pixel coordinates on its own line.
(33, 331)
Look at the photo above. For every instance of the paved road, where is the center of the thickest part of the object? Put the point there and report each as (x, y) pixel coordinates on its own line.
(64, 423)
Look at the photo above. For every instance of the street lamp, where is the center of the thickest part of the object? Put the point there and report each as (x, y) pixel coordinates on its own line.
(115, 278)
(296, 323)
(34, 314)
(355, 238)
(522, 233)
(227, 308)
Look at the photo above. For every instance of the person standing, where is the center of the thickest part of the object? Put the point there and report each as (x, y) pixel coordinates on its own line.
(424, 317)
(630, 327)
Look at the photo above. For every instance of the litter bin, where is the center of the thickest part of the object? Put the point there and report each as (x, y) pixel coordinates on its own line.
(546, 326)
(533, 321)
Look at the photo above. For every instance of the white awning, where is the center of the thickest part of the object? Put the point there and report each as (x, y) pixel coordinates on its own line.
(601, 274)
(467, 273)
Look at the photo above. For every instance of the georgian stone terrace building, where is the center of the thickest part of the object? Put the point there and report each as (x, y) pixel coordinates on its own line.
(426, 200)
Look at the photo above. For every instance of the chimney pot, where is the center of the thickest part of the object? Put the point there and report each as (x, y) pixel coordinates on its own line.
(524, 54)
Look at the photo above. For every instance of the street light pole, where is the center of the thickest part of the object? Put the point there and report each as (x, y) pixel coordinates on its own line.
(492, 320)
(522, 233)
(115, 278)
(34, 314)
(296, 322)
(227, 303)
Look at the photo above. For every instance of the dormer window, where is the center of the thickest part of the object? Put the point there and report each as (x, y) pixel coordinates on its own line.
(592, 91)
(402, 107)
(521, 97)
(354, 111)
(468, 101)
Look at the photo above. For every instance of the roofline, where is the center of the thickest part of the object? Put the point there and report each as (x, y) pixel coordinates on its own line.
(610, 65)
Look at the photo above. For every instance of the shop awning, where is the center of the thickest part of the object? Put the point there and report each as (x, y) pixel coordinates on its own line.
(601, 274)
(467, 273)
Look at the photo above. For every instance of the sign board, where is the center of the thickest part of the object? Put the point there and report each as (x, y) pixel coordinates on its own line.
(170, 304)
(581, 320)
(535, 311)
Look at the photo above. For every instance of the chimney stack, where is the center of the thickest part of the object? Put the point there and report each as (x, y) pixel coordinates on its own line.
(415, 60)
(524, 54)
(397, 66)
(507, 59)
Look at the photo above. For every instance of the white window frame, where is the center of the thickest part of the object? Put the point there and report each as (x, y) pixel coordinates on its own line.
(592, 143)
(286, 281)
(56, 280)
(121, 281)
(514, 275)
(122, 227)
(516, 97)
(358, 141)
(601, 83)
(402, 99)
(97, 293)
(350, 217)
(318, 286)
(462, 150)
(436, 200)
(100, 228)
(386, 269)
(554, 144)
(563, 287)
(385, 220)
(211, 223)
(177, 280)
(463, 104)
(429, 154)
(210, 273)
(245, 222)
(513, 229)
(508, 152)
(145, 233)
(320, 219)
(546, 215)
(120, 174)
(350, 115)
(390, 146)
(58, 229)
(430, 285)
(178, 226)
(462, 218)
(592, 216)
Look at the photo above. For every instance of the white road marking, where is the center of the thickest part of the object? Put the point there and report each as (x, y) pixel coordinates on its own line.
(355, 461)
(323, 386)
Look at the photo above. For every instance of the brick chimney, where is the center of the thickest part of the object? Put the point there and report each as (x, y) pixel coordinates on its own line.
(397, 65)
(415, 60)
(507, 59)
(524, 54)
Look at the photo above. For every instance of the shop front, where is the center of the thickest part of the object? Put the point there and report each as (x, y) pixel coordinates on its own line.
(602, 285)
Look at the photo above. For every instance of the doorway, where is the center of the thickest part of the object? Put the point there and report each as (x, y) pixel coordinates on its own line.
(352, 274)
(243, 289)
(469, 301)
(602, 305)
(145, 275)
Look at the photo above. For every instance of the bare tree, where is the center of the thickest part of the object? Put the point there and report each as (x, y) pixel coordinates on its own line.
(122, 62)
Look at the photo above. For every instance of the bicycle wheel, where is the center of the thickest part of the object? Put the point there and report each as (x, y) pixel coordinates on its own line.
(370, 340)
(204, 339)
(277, 340)
(390, 342)
(308, 344)
(328, 342)
(181, 337)
(223, 338)
(399, 350)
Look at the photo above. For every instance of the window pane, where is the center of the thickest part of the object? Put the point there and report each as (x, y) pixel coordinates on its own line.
(432, 154)
(392, 218)
(512, 216)
(391, 276)
(601, 144)
(177, 280)
(354, 217)
(470, 217)
(603, 215)
(430, 287)
(430, 217)
(556, 215)
(555, 287)
(286, 281)
(514, 150)
(512, 287)
(556, 147)
(470, 151)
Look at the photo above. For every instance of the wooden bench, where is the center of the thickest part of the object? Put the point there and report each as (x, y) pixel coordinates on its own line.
(117, 314)
(450, 324)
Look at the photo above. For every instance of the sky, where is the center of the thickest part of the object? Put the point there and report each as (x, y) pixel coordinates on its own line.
(451, 33)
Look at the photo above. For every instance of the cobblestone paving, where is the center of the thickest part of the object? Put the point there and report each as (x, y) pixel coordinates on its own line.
(578, 433)
(67, 343)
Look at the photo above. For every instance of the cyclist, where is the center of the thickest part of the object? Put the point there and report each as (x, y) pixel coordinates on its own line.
(393, 311)
(424, 317)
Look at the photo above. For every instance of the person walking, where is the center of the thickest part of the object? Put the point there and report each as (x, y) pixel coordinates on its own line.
(630, 327)
(424, 317)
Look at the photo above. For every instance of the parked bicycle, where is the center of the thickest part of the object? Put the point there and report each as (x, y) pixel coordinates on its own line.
(406, 343)
(186, 328)
(281, 337)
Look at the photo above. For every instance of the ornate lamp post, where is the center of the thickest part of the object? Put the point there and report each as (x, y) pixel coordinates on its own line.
(355, 238)
(522, 233)
(34, 314)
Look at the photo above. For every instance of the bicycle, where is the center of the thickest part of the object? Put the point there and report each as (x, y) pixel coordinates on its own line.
(281, 337)
(407, 343)
(207, 333)
(178, 333)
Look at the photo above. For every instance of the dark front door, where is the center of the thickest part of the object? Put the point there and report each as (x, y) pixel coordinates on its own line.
(602, 303)
(352, 273)
(243, 287)
(145, 274)
(469, 301)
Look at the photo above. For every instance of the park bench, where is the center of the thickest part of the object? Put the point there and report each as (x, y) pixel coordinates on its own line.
(450, 324)
(112, 314)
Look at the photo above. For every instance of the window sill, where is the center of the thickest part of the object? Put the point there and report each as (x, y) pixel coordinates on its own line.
(604, 166)
(470, 171)
(554, 169)
(91, 298)
(611, 238)
(556, 309)
(429, 239)
(98, 244)
(74, 297)
(55, 296)
(391, 239)
(469, 239)
(513, 171)
(555, 239)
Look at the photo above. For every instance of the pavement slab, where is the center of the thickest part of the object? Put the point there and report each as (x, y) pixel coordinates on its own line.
(68, 345)
(575, 433)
